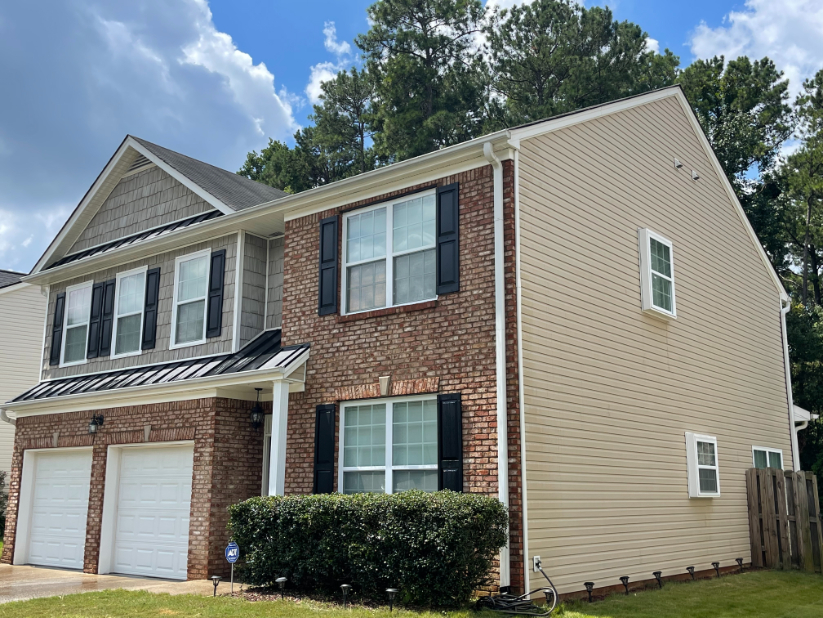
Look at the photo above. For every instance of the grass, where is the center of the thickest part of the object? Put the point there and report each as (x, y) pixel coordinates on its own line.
(769, 594)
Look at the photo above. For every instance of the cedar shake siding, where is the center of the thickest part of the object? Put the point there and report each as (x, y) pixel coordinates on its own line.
(161, 352)
(609, 390)
(274, 309)
(141, 201)
(253, 301)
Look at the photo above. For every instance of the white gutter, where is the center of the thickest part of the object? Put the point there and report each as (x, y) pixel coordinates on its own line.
(784, 309)
(4, 417)
(500, 352)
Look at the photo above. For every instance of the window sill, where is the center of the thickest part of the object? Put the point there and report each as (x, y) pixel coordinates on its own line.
(660, 315)
(378, 313)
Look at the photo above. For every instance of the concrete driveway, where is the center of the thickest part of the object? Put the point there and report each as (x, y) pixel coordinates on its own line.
(18, 583)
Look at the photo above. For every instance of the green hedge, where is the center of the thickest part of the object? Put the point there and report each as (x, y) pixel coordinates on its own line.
(436, 547)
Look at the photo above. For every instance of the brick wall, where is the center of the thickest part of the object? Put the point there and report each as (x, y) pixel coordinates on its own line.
(228, 459)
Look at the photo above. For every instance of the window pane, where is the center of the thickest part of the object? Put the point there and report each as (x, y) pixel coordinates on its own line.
(360, 482)
(760, 459)
(414, 277)
(366, 286)
(414, 224)
(661, 260)
(364, 439)
(662, 292)
(366, 235)
(128, 334)
(404, 480)
(414, 433)
(193, 281)
(775, 460)
(79, 305)
(708, 481)
(705, 454)
(190, 321)
(130, 293)
(75, 344)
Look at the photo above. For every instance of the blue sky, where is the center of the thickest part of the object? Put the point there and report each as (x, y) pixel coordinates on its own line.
(216, 79)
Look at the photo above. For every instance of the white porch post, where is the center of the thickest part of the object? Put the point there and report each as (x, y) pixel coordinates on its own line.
(279, 425)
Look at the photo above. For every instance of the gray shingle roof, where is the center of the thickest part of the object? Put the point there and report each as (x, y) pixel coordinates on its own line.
(235, 191)
(9, 277)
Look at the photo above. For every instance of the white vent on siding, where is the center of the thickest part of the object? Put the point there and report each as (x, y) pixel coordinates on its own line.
(139, 162)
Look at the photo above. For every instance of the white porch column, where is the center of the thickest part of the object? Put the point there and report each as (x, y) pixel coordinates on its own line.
(279, 426)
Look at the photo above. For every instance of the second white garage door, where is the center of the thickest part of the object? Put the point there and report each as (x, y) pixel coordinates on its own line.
(152, 535)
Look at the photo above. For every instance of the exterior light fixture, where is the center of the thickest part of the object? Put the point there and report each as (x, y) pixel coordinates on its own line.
(625, 580)
(215, 580)
(691, 571)
(739, 562)
(391, 593)
(657, 576)
(281, 581)
(345, 588)
(716, 566)
(95, 423)
(257, 412)
(589, 587)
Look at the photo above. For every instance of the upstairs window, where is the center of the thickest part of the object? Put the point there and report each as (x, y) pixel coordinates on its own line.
(128, 311)
(703, 468)
(657, 274)
(764, 457)
(191, 286)
(389, 252)
(76, 328)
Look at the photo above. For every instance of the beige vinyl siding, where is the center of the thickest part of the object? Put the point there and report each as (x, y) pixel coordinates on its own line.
(22, 312)
(610, 391)
(252, 312)
(161, 352)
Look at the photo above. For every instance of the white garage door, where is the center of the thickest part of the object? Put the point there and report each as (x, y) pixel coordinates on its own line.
(152, 536)
(59, 507)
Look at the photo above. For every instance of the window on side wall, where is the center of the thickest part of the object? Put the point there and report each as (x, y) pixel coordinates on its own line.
(76, 323)
(657, 274)
(389, 446)
(389, 253)
(191, 283)
(703, 467)
(765, 457)
(128, 312)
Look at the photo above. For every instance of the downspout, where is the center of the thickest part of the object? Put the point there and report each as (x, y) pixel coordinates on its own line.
(500, 354)
(5, 418)
(795, 448)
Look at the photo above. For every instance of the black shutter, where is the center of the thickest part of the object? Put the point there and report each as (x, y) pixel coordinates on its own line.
(324, 449)
(107, 317)
(214, 315)
(57, 329)
(150, 309)
(93, 347)
(449, 442)
(448, 239)
(327, 303)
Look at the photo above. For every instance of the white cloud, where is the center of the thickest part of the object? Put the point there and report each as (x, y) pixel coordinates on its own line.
(15, 226)
(338, 48)
(325, 71)
(652, 45)
(790, 32)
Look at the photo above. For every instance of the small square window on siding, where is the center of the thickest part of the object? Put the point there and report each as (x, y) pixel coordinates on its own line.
(765, 457)
(703, 466)
(656, 274)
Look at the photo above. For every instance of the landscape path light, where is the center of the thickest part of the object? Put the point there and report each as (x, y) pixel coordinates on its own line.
(690, 569)
(391, 593)
(215, 580)
(739, 562)
(657, 576)
(625, 580)
(716, 566)
(281, 581)
(345, 588)
(589, 587)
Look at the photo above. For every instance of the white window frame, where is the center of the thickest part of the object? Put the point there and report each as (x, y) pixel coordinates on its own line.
(69, 290)
(645, 237)
(768, 450)
(179, 260)
(694, 468)
(116, 317)
(390, 255)
(387, 468)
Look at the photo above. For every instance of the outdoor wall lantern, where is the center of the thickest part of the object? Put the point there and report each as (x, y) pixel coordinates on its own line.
(691, 571)
(589, 588)
(95, 423)
(657, 576)
(257, 412)
(345, 588)
(625, 580)
(281, 581)
(391, 593)
(739, 562)
(716, 566)
(215, 580)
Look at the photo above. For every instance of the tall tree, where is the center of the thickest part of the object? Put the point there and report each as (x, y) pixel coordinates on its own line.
(429, 83)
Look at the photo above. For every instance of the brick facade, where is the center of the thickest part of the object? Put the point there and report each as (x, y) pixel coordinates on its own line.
(228, 461)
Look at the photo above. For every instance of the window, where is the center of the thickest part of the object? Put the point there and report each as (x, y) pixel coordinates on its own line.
(128, 312)
(191, 283)
(704, 473)
(389, 254)
(389, 446)
(76, 325)
(764, 457)
(657, 274)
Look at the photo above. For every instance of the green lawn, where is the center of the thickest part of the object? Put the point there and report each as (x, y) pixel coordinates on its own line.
(770, 594)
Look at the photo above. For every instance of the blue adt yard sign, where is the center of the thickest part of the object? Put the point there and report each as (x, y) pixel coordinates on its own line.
(232, 552)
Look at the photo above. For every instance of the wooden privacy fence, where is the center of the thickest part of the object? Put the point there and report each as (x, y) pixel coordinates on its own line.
(784, 519)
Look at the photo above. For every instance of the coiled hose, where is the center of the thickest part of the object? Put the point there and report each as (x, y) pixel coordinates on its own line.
(509, 604)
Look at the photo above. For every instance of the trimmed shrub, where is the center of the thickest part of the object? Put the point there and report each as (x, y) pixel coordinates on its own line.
(436, 547)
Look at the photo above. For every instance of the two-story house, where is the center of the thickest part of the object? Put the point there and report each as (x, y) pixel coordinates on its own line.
(574, 316)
